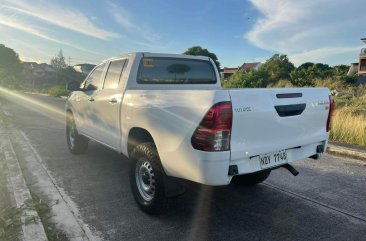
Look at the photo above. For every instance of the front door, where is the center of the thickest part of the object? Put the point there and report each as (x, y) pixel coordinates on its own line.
(88, 114)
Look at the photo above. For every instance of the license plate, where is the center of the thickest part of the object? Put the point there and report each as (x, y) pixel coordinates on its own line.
(273, 159)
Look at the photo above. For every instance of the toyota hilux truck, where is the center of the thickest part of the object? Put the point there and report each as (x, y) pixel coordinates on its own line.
(170, 116)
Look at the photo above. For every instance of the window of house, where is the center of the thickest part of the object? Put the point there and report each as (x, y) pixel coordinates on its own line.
(363, 64)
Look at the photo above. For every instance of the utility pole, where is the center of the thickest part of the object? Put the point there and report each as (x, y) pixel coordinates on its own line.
(69, 61)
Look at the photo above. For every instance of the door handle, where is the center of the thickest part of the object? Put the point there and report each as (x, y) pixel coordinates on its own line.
(113, 100)
(91, 99)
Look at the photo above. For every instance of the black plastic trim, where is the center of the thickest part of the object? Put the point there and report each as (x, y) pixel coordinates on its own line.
(290, 110)
(233, 170)
(289, 95)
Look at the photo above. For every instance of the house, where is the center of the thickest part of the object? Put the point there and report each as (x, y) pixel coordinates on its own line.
(227, 72)
(84, 68)
(29, 65)
(361, 79)
(247, 67)
(40, 75)
(362, 62)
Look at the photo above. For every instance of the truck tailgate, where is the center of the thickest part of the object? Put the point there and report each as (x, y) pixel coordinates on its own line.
(270, 120)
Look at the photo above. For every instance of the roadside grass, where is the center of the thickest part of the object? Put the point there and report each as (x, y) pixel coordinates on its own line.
(43, 210)
(349, 119)
(10, 216)
(10, 223)
(58, 91)
(55, 91)
(349, 126)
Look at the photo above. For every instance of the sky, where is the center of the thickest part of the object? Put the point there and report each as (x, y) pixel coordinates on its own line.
(237, 31)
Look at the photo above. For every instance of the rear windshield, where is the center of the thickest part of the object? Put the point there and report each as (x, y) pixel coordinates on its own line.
(175, 71)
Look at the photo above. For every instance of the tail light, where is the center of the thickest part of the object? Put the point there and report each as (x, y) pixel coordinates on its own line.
(330, 114)
(214, 131)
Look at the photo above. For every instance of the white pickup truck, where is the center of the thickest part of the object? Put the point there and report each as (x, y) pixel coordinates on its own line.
(170, 116)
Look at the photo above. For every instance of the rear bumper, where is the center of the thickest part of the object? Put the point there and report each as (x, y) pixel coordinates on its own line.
(213, 168)
(249, 165)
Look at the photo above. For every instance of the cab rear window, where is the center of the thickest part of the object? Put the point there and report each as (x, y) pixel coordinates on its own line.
(175, 71)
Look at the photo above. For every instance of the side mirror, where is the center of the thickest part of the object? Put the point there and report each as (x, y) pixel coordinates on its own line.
(73, 86)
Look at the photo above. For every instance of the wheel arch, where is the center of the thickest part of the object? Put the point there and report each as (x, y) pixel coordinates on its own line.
(69, 111)
(136, 136)
(68, 114)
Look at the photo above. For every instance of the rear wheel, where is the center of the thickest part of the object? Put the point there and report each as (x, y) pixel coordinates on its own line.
(76, 143)
(251, 178)
(147, 178)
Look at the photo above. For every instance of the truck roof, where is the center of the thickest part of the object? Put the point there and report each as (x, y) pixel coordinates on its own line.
(161, 55)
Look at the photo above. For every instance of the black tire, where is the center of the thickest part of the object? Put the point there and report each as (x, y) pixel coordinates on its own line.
(146, 171)
(76, 143)
(251, 179)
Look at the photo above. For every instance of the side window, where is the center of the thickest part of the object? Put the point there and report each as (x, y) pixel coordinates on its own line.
(114, 74)
(95, 78)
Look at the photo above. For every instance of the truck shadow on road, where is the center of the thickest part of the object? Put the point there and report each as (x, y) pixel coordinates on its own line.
(203, 212)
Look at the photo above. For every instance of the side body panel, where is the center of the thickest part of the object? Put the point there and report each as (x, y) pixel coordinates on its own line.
(171, 117)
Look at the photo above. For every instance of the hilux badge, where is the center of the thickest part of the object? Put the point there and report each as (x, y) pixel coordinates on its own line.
(243, 109)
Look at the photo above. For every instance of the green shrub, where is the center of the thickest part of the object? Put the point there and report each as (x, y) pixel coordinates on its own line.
(58, 91)
(281, 84)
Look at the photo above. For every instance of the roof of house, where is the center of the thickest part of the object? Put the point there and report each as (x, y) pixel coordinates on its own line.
(249, 66)
(230, 70)
(47, 67)
(30, 65)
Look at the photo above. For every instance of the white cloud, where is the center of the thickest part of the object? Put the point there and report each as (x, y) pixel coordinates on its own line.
(60, 16)
(125, 19)
(323, 54)
(308, 30)
(13, 22)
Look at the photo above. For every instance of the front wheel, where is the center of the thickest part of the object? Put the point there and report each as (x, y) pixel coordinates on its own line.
(251, 179)
(147, 178)
(76, 143)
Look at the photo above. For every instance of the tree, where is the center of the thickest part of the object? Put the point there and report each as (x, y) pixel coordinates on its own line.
(303, 76)
(307, 73)
(340, 70)
(9, 59)
(11, 68)
(253, 79)
(278, 67)
(58, 62)
(306, 65)
(199, 51)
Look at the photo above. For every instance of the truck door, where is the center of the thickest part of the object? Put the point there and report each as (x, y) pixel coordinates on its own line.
(86, 99)
(107, 105)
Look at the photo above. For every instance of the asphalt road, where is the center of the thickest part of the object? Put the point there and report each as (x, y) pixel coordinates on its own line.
(326, 201)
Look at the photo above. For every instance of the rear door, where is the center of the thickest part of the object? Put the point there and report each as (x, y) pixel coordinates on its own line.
(271, 120)
(107, 104)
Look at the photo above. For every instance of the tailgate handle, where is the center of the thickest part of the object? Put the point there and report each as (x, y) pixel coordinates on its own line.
(288, 95)
(290, 110)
